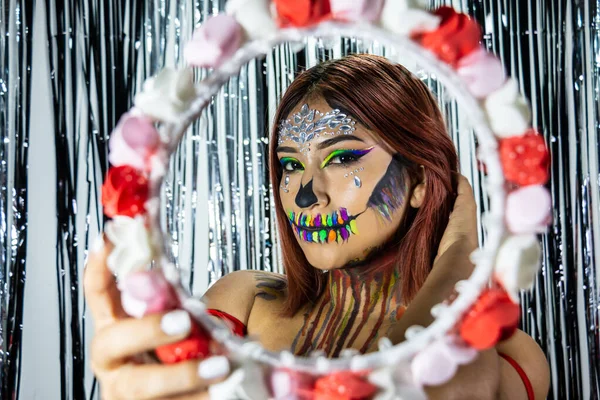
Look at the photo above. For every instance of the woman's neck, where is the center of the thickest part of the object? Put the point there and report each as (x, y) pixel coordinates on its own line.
(357, 306)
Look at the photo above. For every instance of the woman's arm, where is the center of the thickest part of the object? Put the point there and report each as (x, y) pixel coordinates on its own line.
(479, 380)
(529, 356)
(233, 294)
(489, 376)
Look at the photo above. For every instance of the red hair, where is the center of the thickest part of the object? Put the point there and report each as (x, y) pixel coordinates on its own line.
(391, 102)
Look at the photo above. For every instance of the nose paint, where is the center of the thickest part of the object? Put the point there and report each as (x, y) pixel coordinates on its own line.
(336, 226)
(306, 197)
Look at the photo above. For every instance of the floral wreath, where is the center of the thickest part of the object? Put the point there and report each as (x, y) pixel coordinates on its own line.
(515, 157)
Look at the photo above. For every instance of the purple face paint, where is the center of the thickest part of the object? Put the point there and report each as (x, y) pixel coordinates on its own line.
(344, 214)
(344, 233)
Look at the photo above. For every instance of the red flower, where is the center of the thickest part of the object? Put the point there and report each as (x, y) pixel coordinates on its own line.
(197, 345)
(493, 318)
(525, 159)
(457, 36)
(124, 192)
(344, 385)
(301, 12)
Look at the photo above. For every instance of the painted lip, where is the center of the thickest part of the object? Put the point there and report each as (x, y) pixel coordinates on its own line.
(336, 226)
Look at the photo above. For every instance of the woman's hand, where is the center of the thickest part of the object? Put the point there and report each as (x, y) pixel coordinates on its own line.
(462, 224)
(118, 340)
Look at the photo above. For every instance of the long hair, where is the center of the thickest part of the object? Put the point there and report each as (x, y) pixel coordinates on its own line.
(391, 102)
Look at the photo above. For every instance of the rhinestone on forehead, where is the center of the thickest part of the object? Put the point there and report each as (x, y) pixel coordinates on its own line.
(308, 124)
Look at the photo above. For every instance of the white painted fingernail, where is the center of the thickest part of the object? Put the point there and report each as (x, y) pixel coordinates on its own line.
(98, 245)
(176, 322)
(213, 367)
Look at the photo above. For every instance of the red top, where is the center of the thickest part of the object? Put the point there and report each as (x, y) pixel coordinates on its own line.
(238, 328)
(522, 374)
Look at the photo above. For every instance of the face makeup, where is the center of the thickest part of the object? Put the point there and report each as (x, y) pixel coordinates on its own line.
(324, 208)
(309, 124)
(333, 227)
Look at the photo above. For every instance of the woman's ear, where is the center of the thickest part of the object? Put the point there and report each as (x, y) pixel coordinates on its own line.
(418, 192)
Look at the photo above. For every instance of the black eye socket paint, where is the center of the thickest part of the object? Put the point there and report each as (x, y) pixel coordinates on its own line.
(306, 197)
(390, 191)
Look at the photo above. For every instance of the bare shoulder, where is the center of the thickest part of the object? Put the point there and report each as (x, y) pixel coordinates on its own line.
(270, 286)
(527, 353)
(236, 292)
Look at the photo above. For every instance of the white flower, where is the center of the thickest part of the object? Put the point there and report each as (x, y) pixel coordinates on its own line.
(254, 16)
(407, 16)
(132, 251)
(167, 95)
(517, 263)
(508, 111)
(395, 383)
(245, 383)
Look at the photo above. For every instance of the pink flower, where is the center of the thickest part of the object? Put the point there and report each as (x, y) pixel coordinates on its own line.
(483, 72)
(356, 10)
(147, 292)
(439, 361)
(133, 142)
(528, 209)
(214, 42)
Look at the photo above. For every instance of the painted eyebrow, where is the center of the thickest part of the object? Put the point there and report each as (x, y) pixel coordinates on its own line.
(341, 138)
(286, 149)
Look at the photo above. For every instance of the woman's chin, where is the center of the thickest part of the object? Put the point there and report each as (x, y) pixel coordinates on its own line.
(326, 257)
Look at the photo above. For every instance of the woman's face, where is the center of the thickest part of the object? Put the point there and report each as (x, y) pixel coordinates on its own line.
(344, 194)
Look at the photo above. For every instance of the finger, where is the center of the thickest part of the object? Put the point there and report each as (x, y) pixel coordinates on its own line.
(101, 293)
(150, 381)
(465, 196)
(119, 341)
(464, 214)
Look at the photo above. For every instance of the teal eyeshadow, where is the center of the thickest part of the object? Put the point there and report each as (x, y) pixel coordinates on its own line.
(285, 160)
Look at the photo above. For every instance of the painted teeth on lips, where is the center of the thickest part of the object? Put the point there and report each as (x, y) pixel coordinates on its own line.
(337, 226)
(337, 218)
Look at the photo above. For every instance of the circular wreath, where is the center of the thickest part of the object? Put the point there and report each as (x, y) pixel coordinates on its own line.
(515, 157)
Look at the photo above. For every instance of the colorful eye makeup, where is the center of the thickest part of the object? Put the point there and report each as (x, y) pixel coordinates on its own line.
(337, 226)
(290, 164)
(354, 155)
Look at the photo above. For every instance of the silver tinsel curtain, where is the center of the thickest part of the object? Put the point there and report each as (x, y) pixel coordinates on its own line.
(68, 70)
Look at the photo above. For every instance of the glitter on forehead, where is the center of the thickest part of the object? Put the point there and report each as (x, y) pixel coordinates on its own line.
(308, 124)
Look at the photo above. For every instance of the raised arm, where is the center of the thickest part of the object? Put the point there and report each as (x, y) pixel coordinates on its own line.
(489, 376)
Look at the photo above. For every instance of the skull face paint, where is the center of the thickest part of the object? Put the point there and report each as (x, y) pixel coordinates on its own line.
(337, 226)
(334, 216)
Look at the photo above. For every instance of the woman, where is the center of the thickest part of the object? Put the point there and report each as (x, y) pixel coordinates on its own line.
(364, 170)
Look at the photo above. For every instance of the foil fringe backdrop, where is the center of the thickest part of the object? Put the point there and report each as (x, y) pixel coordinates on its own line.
(218, 202)
(15, 96)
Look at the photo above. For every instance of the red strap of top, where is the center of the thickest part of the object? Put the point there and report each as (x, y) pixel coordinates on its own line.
(237, 327)
(522, 374)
